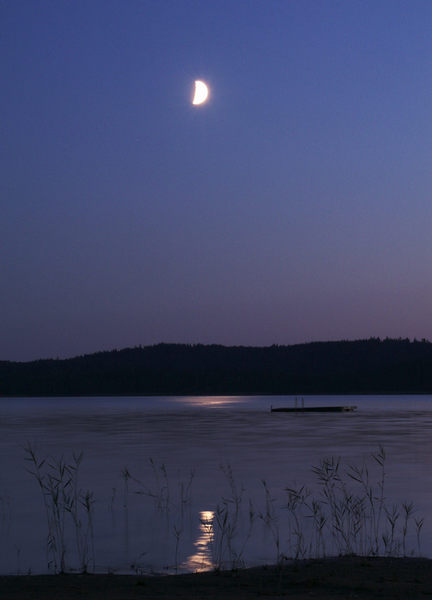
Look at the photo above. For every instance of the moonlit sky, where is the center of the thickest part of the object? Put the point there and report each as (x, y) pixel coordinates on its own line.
(295, 205)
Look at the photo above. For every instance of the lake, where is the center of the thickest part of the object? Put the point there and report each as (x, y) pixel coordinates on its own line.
(180, 484)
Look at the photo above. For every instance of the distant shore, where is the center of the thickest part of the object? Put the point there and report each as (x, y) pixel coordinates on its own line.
(363, 578)
(290, 397)
(371, 366)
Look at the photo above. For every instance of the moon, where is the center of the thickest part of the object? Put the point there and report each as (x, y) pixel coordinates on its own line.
(201, 92)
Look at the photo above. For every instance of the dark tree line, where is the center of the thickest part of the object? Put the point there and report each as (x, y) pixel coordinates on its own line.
(345, 367)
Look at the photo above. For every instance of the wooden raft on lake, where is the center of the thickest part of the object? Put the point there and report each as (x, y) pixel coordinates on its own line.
(297, 409)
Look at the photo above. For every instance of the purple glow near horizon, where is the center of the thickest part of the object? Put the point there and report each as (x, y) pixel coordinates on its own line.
(294, 206)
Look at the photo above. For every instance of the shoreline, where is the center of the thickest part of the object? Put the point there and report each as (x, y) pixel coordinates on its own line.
(364, 578)
(219, 395)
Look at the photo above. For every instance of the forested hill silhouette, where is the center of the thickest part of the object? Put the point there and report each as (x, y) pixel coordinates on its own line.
(345, 367)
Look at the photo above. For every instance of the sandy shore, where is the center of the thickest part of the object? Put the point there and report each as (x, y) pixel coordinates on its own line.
(342, 578)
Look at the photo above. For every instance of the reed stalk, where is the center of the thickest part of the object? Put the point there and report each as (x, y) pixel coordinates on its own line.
(347, 513)
(62, 496)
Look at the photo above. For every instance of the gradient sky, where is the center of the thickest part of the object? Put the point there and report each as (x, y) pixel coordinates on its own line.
(294, 206)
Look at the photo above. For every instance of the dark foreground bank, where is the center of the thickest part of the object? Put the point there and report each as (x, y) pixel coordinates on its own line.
(353, 577)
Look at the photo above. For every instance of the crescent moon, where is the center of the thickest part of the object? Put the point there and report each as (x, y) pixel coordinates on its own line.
(201, 92)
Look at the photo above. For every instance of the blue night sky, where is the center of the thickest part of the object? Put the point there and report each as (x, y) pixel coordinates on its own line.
(293, 206)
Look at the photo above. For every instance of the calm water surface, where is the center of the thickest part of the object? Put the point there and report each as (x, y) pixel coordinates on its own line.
(159, 468)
